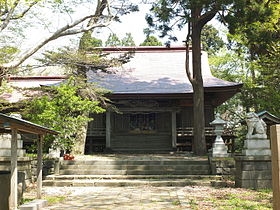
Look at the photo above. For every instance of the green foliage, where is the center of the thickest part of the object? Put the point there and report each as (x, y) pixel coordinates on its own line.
(113, 41)
(62, 108)
(260, 90)
(254, 24)
(54, 199)
(151, 41)
(210, 40)
(128, 40)
(242, 200)
(87, 41)
(80, 62)
(7, 53)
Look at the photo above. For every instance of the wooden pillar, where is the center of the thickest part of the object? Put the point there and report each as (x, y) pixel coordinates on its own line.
(39, 165)
(14, 171)
(108, 129)
(174, 129)
(275, 149)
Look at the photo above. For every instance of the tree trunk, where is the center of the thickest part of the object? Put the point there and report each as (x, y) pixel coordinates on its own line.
(80, 143)
(199, 143)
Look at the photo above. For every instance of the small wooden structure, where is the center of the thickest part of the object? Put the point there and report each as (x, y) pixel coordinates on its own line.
(269, 119)
(14, 125)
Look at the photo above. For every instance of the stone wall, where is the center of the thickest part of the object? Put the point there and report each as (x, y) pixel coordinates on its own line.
(24, 165)
(50, 166)
(28, 166)
(222, 166)
(253, 172)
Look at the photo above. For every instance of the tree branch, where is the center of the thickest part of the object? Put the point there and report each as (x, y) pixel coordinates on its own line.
(18, 16)
(9, 16)
(206, 17)
(63, 31)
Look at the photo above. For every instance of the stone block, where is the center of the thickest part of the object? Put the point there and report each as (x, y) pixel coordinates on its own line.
(256, 152)
(34, 205)
(257, 144)
(223, 171)
(6, 143)
(253, 184)
(7, 152)
(4, 190)
(219, 150)
(257, 166)
(256, 175)
(28, 206)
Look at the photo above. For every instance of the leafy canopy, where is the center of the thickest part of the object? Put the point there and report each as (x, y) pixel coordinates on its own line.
(210, 40)
(114, 41)
(151, 41)
(62, 108)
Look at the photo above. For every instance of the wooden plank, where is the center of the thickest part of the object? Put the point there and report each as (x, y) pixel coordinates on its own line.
(39, 166)
(108, 129)
(14, 173)
(174, 129)
(275, 147)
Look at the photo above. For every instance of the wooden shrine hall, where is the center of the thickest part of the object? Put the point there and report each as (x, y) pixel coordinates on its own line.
(154, 99)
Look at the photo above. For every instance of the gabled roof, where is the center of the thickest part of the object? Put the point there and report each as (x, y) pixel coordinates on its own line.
(155, 70)
(18, 83)
(8, 122)
(268, 117)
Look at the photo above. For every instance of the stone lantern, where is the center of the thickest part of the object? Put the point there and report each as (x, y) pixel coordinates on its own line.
(219, 148)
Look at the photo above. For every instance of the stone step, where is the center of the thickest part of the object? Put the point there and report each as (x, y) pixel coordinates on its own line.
(135, 162)
(123, 183)
(133, 172)
(116, 177)
(133, 182)
(136, 167)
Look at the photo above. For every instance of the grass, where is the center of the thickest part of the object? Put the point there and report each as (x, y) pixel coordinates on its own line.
(50, 199)
(175, 202)
(243, 200)
(26, 200)
(54, 199)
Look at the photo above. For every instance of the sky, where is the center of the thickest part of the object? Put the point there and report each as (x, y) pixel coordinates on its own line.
(134, 23)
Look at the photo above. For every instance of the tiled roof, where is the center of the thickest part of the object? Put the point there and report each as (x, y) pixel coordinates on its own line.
(156, 70)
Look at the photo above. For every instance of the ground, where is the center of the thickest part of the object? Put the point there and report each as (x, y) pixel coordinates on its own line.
(147, 197)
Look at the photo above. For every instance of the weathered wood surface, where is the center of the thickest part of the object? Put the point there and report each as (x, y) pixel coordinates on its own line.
(39, 166)
(275, 147)
(108, 129)
(14, 173)
(174, 130)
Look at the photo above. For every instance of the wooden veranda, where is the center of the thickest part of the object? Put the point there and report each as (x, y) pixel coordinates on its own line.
(13, 126)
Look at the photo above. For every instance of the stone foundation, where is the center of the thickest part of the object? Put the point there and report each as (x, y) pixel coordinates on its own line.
(50, 166)
(253, 172)
(24, 165)
(28, 166)
(256, 147)
(222, 166)
(5, 146)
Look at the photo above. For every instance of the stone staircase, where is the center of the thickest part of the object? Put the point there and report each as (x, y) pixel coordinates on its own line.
(135, 167)
(133, 172)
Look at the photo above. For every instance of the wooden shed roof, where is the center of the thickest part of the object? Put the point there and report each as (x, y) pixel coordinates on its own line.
(7, 123)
